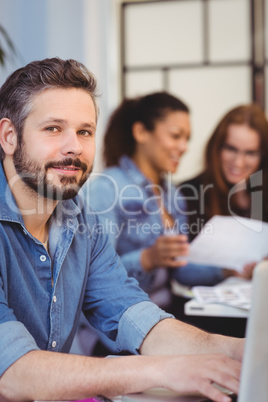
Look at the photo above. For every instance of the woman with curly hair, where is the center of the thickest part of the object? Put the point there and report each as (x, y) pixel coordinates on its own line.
(139, 207)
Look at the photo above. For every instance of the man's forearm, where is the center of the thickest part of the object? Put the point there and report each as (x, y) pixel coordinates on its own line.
(172, 336)
(42, 375)
(46, 375)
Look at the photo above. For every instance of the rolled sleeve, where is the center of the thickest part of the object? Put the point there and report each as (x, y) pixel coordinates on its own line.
(15, 341)
(136, 323)
(131, 262)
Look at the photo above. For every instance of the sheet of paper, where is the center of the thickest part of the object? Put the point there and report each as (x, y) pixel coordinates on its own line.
(235, 296)
(230, 242)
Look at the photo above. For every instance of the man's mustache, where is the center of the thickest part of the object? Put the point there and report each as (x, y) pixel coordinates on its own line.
(67, 162)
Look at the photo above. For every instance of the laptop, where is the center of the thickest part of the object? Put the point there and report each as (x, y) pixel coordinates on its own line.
(254, 375)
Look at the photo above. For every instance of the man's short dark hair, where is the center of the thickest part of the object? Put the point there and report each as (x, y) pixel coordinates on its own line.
(20, 88)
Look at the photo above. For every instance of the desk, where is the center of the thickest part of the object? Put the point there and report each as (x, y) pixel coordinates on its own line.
(192, 307)
(216, 318)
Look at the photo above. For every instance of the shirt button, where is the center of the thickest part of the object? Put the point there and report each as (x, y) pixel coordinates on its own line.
(54, 343)
(43, 258)
(54, 299)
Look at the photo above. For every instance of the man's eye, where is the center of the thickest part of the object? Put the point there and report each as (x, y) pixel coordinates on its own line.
(85, 133)
(52, 129)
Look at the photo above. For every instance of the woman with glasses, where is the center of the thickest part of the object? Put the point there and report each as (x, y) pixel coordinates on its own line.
(236, 166)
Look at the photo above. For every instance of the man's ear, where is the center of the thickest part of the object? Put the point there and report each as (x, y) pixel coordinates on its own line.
(8, 136)
(139, 132)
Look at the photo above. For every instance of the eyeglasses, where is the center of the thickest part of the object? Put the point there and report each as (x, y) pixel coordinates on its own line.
(233, 152)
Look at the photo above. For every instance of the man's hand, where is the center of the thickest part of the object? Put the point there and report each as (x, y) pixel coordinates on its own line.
(197, 373)
(167, 251)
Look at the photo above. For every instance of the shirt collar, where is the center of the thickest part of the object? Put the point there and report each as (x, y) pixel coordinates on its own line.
(134, 173)
(132, 170)
(9, 209)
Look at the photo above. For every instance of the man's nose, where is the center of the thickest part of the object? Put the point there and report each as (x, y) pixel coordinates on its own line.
(71, 143)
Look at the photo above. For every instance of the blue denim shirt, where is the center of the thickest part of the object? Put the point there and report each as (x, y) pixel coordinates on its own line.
(129, 212)
(87, 276)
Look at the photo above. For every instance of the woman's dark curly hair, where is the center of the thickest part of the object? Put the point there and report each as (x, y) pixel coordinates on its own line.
(149, 109)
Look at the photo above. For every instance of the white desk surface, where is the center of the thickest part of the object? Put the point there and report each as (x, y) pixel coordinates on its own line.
(192, 307)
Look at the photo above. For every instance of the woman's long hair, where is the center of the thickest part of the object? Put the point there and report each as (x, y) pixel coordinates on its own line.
(253, 116)
(118, 137)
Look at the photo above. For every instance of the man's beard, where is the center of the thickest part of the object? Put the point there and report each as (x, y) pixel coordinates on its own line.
(36, 178)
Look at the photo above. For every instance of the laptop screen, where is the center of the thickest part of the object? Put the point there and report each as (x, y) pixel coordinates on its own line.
(254, 377)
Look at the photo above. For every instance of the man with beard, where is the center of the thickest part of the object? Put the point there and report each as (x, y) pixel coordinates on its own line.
(50, 270)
